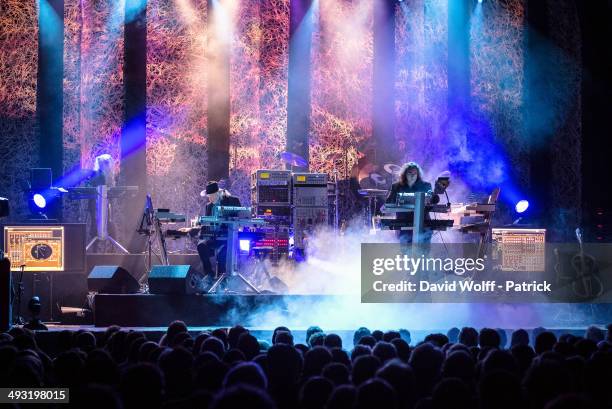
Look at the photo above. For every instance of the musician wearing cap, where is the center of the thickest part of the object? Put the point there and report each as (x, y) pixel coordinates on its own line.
(411, 181)
(208, 245)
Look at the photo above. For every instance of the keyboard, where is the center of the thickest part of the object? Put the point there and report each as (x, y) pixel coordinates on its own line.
(90, 192)
(169, 217)
(232, 211)
(213, 220)
(480, 207)
(393, 208)
(395, 224)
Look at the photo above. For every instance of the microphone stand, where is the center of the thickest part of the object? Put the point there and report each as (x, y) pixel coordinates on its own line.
(145, 228)
(18, 318)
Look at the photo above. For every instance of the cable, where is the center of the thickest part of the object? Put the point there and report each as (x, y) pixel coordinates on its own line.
(441, 236)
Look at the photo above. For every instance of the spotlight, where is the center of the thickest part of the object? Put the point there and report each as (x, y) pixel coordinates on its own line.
(480, 1)
(39, 200)
(245, 245)
(37, 203)
(39, 193)
(43, 204)
(521, 206)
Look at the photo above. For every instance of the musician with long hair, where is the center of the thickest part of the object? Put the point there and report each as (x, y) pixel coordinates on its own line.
(411, 181)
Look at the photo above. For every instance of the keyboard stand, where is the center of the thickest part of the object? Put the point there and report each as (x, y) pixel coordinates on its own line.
(230, 262)
(102, 220)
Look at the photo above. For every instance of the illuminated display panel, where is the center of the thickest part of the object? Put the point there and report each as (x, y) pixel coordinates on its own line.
(520, 249)
(39, 248)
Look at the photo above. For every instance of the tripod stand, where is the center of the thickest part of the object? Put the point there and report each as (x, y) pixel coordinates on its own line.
(230, 266)
(151, 226)
(102, 220)
(259, 266)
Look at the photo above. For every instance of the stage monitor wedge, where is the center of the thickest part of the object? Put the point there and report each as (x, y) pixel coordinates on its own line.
(177, 279)
(111, 280)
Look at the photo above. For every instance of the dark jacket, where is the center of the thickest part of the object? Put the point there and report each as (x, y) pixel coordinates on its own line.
(208, 211)
(225, 201)
(419, 186)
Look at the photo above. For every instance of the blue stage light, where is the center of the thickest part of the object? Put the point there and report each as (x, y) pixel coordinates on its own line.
(480, 1)
(521, 206)
(245, 245)
(39, 200)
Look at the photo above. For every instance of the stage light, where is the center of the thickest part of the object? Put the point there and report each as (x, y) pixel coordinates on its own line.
(39, 200)
(245, 245)
(521, 206)
(480, 1)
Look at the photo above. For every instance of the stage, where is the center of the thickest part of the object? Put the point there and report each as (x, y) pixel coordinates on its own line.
(385, 171)
(321, 292)
(121, 133)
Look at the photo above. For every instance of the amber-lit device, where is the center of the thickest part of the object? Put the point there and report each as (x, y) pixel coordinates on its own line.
(39, 248)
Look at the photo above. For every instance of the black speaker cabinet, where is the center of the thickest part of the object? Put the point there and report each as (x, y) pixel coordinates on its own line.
(111, 280)
(5, 295)
(178, 279)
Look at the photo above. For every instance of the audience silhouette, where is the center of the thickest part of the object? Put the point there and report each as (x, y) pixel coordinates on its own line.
(231, 368)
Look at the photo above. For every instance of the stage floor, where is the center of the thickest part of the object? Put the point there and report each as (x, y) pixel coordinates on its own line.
(343, 312)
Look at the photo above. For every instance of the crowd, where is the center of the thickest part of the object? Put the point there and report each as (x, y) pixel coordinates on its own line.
(231, 369)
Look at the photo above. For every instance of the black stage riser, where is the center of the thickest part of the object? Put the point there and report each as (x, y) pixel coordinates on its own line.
(157, 310)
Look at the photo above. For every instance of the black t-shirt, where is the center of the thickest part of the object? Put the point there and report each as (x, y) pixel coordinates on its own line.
(419, 186)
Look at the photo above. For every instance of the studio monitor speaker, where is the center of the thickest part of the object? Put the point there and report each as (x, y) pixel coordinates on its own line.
(111, 280)
(178, 279)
